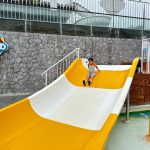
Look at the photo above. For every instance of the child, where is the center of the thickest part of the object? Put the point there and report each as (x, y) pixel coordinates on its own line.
(91, 73)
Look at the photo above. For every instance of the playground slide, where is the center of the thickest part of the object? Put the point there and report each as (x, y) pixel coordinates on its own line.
(65, 115)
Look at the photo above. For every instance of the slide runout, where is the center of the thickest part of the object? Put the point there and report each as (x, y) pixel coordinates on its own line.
(67, 113)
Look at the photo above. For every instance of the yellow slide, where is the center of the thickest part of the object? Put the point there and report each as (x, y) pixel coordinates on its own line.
(65, 115)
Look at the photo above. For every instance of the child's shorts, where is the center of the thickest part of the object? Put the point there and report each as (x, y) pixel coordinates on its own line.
(92, 74)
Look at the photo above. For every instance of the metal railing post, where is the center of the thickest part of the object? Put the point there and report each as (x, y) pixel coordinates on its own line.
(127, 107)
(60, 23)
(46, 79)
(78, 53)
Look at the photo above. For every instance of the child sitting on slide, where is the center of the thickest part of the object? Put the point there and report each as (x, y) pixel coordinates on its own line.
(91, 73)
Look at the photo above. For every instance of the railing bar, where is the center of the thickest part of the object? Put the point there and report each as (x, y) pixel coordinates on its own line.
(46, 79)
(47, 14)
(60, 69)
(63, 66)
(7, 11)
(78, 53)
(54, 74)
(57, 71)
(68, 61)
(4, 7)
(60, 61)
(49, 76)
(65, 63)
(75, 56)
(72, 57)
(61, 72)
(37, 13)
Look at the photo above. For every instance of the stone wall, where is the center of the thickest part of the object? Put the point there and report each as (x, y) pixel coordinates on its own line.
(30, 54)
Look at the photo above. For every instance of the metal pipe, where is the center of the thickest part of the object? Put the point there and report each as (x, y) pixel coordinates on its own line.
(78, 53)
(127, 106)
(46, 79)
(63, 67)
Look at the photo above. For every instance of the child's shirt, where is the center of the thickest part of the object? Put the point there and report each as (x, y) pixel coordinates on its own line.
(92, 67)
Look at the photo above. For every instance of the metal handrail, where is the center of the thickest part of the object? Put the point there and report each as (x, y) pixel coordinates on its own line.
(77, 53)
(77, 49)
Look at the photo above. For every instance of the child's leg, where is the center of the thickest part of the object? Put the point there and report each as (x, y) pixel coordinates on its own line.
(91, 79)
(87, 78)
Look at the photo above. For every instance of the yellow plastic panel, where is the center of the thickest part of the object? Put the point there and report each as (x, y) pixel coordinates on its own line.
(134, 65)
(104, 79)
(22, 129)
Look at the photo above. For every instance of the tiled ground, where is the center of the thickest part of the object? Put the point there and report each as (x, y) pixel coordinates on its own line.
(129, 136)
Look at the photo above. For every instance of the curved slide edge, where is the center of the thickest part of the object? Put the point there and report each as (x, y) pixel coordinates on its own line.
(111, 77)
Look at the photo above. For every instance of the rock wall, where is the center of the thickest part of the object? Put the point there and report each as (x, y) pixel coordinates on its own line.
(30, 54)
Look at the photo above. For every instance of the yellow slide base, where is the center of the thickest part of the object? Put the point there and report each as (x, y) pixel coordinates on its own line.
(32, 132)
(23, 129)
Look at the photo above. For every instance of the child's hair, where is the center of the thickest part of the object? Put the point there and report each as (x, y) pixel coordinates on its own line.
(90, 59)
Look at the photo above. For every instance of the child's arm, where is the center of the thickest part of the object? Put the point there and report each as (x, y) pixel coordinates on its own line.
(97, 68)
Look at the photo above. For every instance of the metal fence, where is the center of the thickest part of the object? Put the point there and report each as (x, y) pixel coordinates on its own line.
(92, 13)
(131, 8)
